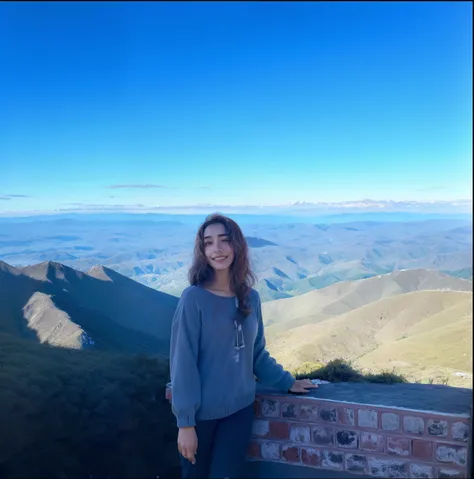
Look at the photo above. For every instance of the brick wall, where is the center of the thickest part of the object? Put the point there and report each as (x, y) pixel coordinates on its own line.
(361, 439)
(373, 441)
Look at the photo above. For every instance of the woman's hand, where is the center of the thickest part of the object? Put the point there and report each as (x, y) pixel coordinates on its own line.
(187, 443)
(302, 386)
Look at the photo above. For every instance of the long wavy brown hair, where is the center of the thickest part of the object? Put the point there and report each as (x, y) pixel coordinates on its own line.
(242, 278)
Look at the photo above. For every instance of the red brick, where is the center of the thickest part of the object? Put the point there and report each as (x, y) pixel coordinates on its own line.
(356, 463)
(437, 428)
(310, 412)
(254, 449)
(328, 414)
(399, 446)
(398, 469)
(347, 416)
(279, 430)
(367, 418)
(322, 435)
(271, 451)
(311, 456)
(413, 425)
(451, 454)
(270, 408)
(289, 409)
(370, 441)
(290, 453)
(333, 460)
(460, 431)
(300, 433)
(421, 471)
(390, 421)
(379, 467)
(422, 449)
(347, 439)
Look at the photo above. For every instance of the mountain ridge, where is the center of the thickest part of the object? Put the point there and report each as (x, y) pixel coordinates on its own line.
(40, 301)
(329, 300)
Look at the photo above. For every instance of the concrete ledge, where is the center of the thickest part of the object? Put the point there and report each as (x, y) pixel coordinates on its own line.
(362, 430)
(426, 397)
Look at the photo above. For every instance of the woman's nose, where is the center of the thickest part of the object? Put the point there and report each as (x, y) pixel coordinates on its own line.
(219, 246)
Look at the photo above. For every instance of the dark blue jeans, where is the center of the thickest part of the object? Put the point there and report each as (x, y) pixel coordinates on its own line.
(222, 447)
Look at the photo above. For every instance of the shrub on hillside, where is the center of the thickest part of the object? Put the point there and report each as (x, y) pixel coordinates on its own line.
(304, 370)
(339, 370)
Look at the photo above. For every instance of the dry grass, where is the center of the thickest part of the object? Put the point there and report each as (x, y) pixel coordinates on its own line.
(437, 347)
(346, 296)
(424, 335)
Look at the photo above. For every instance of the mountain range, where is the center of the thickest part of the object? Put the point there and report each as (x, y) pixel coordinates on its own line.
(417, 321)
(291, 256)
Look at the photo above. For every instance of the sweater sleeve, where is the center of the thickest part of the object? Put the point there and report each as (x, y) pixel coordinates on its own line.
(184, 348)
(267, 370)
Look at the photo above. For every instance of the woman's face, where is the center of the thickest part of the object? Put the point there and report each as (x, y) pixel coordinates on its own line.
(217, 248)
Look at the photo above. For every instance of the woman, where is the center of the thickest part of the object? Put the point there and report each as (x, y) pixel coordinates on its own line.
(217, 349)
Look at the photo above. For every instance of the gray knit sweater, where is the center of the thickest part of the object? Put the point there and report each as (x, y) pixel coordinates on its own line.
(213, 362)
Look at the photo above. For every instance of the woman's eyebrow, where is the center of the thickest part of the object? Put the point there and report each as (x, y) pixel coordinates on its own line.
(210, 237)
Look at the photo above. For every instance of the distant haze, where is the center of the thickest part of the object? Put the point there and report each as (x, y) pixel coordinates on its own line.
(338, 211)
(290, 254)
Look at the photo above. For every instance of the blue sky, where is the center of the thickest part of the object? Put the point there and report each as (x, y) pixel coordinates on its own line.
(233, 103)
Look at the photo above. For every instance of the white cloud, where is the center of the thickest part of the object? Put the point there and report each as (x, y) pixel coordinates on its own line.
(144, 186)
(10, 197)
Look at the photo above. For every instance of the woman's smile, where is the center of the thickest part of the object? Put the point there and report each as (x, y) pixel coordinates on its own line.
(217, 247)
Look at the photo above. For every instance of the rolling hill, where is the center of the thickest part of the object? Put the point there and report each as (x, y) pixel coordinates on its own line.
(342, 297)
(438, 346)
(418, 322)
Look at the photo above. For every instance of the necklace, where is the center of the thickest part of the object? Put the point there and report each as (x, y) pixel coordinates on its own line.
(224, 291)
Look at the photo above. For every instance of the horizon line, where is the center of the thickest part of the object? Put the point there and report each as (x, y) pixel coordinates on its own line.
(361, 206)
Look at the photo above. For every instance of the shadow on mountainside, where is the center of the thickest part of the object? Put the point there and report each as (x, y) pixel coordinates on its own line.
(115, 311)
